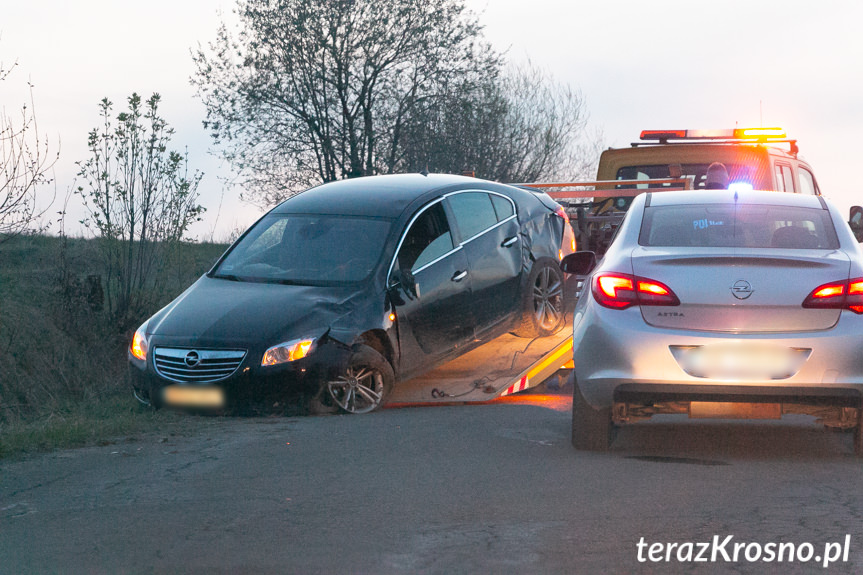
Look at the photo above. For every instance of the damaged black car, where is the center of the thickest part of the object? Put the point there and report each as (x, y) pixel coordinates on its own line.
(345, 289)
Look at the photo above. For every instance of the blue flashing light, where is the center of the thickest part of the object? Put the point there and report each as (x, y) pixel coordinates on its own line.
(740, 187)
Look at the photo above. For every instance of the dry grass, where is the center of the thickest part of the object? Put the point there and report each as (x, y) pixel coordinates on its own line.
(102, 421)
(63, 374)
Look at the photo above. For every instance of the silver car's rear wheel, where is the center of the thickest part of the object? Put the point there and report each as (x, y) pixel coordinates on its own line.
(592, 429)
(365, 384)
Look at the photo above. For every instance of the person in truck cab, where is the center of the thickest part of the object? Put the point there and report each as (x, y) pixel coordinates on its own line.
(717, 177)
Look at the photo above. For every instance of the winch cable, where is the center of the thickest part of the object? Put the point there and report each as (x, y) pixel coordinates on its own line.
(481, 382)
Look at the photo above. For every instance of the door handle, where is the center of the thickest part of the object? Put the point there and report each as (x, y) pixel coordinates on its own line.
(458, 276)
(509, 241)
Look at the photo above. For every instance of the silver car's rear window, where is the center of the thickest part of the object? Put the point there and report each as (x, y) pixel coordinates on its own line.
(741, 226)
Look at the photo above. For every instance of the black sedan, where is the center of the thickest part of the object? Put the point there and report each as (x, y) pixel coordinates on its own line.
(346, 288)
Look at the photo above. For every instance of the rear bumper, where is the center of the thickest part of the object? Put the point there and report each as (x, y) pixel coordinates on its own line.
(618, 358)
(821, 396)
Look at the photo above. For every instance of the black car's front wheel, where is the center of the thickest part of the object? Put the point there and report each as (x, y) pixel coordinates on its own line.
(542, 302)
(366, 383)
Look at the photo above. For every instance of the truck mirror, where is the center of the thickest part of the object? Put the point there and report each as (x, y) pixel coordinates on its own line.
(578, 263)
(855, 220)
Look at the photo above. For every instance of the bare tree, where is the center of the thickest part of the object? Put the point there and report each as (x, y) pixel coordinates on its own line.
(25, 161)
(141, 200)
(309, 92)
(518, 126)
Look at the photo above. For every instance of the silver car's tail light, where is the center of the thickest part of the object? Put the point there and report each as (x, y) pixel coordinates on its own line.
(620, 291)
(841, 294)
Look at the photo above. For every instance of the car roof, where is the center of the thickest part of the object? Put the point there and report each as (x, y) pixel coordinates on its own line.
(745, 197)
(379, 196)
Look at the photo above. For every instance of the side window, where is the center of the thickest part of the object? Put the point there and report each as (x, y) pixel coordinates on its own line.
(789, 179)
(474, 213)
(428, 239)
(502, 207)
(807, 181)
(780, 181)
(784, 179)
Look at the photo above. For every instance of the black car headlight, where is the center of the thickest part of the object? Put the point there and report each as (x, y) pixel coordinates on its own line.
(288, 351)
(140, 345)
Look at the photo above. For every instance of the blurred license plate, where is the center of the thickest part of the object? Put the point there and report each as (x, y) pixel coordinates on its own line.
(740, 361)
(193, 396)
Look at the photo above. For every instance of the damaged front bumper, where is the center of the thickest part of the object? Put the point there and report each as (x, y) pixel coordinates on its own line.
(248, 383)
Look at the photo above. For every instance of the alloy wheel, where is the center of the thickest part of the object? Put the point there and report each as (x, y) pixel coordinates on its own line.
(359, 390)
(547, 299)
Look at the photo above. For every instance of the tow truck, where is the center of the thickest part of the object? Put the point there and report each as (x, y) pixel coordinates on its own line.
(662, 160)
(757, 158)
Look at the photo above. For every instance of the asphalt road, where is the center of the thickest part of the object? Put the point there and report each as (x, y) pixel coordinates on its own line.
(441, 489)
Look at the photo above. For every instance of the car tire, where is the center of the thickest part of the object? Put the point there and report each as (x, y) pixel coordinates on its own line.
(542, 304)
(147, 398)
(365, 384)
(592, 429)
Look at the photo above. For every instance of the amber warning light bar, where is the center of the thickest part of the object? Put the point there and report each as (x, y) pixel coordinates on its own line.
(733, 134)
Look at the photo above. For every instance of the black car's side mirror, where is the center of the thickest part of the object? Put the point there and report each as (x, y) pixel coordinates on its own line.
(401, 282)
(855, 220)
(578, 263)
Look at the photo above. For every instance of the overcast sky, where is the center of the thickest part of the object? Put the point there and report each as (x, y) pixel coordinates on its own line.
(640, 64)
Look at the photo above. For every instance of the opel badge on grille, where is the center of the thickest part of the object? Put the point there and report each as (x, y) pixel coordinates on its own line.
(192, 359)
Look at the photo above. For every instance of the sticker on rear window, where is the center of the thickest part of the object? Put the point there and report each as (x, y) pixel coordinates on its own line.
(705, 223)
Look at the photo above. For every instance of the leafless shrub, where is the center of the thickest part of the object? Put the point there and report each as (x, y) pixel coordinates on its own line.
(141, 200)
(25, 162)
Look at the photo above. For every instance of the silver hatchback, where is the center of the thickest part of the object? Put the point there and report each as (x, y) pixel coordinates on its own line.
(730, 304)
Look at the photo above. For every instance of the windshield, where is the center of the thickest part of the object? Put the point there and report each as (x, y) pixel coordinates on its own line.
(746, 226)
(307, 249)
(696, 173)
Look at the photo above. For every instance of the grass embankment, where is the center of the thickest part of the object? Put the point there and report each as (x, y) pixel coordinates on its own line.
(63, 372)
(96, 422)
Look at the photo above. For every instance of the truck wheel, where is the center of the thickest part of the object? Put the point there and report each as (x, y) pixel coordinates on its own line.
(542, 302)
(591, 428)
(366, 383)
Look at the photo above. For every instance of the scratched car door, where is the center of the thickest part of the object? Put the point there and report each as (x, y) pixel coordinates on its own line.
(431, 284)
(489, 228)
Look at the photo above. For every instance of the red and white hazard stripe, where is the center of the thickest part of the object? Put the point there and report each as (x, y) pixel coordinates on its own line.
(521, 385)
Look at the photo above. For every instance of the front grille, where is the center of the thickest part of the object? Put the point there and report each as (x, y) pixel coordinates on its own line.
(188, 365)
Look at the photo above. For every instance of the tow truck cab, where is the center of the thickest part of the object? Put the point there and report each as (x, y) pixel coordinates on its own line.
(755, 158)
(763, 158)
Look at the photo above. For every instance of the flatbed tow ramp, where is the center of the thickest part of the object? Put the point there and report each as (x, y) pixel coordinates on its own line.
(509, 364)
